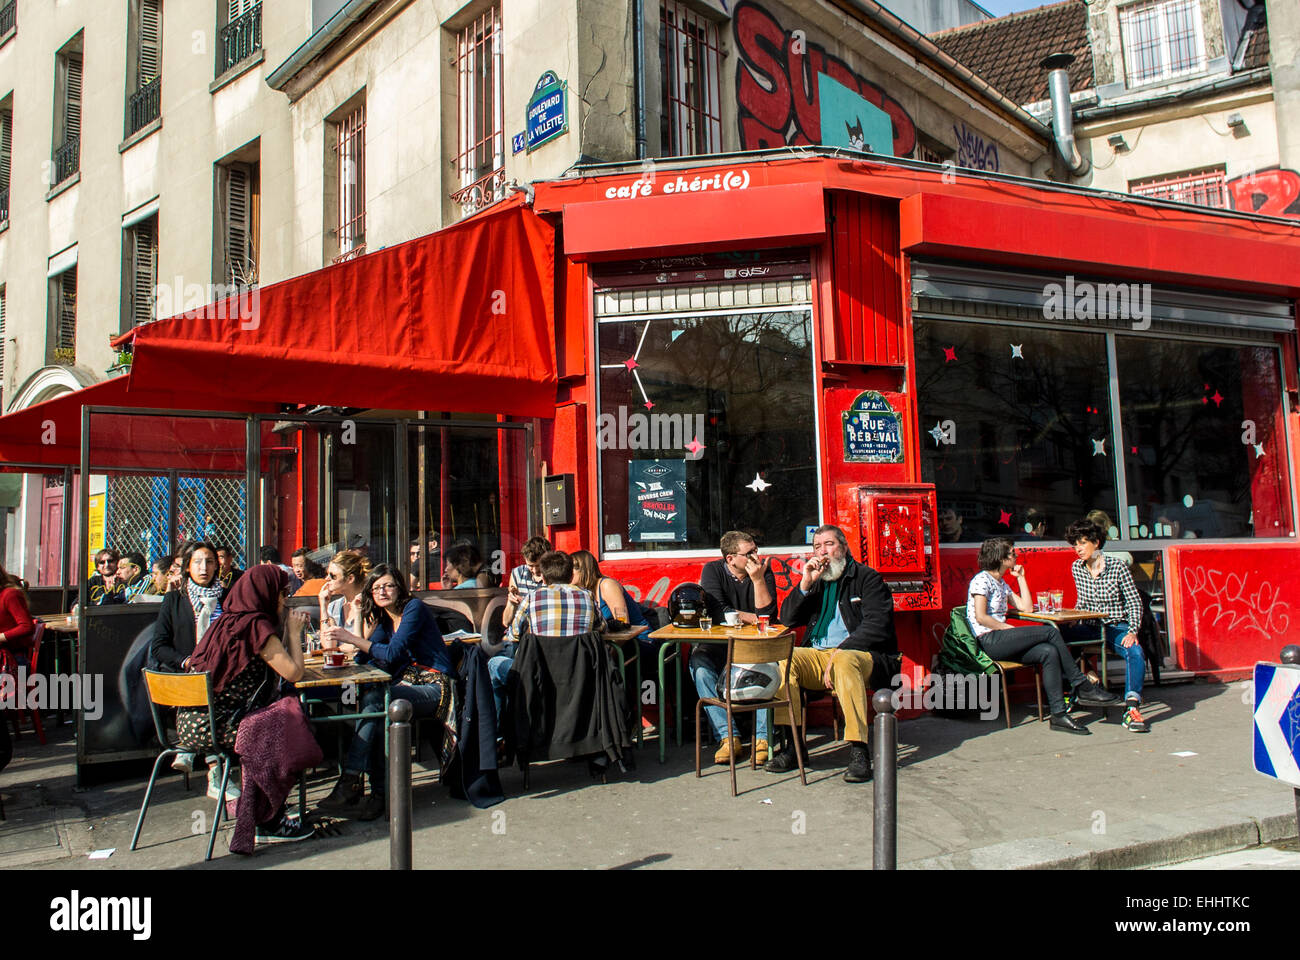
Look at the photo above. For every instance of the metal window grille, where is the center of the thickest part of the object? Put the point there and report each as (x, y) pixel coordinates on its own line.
(6, 160)
(8, 16)
(481, 140)
(142, 249)
(138, 507)
(689, 55)
(1206, 188)
(1161, 39)
(67, 157)
(65, 317)
(241, 37)
(351, 159)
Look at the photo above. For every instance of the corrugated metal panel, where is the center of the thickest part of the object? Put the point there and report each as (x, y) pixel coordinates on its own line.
(868, 322)
(712, 296)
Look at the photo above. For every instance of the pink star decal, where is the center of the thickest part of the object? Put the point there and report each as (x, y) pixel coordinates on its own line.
(1206, 387)
(649, 405)
(1218, 400)
(1005, 518)
(1133, 449)
(1203, 400)
(630, 363)
(949, 354)
(695, 446)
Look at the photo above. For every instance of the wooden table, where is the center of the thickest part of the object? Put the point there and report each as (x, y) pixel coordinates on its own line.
(316, 676)
(619, 639)
(674, 636)
(1066, 617)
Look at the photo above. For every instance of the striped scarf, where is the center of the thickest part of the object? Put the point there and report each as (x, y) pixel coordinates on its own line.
(201, 597)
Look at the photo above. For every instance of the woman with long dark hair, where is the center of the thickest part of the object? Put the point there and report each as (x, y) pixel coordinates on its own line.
(401, 637)
(17, 628)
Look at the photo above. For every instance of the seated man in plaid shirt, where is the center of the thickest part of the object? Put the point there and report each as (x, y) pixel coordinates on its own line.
(1105, 585)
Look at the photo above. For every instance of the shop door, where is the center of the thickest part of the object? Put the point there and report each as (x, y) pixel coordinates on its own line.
(51, 536)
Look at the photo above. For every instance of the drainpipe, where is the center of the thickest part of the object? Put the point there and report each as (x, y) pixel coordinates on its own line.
(638, 66)
(1058, 88)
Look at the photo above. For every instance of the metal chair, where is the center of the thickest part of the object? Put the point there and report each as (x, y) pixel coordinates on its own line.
(34, 712)
(182, 690)
(753, 650)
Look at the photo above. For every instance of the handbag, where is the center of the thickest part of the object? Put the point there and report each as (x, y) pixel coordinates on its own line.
(419, 676)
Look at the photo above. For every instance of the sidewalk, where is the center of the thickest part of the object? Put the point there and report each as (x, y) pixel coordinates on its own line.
(971, 794)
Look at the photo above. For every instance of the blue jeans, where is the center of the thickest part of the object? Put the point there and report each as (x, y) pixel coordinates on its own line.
(705, 674)
(1135, 664)
(367, 750)
(498, 669)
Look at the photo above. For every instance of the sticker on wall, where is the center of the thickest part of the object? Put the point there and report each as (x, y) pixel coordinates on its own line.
(872, 430)
(656, 501)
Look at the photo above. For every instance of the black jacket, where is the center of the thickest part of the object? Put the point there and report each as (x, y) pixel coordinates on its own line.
(470, 771)
(174, 636)
(867, 607)
(723, 592)
(565, 698)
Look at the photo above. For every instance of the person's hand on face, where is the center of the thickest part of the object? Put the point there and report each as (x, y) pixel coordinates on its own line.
(756, 566)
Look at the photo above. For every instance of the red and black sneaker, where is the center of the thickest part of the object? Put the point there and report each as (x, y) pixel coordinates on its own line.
(1134, 722)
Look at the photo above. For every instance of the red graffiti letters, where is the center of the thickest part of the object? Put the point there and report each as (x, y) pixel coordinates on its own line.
(777, 86)
(1273, 192)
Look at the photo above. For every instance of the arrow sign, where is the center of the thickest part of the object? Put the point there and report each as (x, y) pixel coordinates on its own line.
(1277, 722)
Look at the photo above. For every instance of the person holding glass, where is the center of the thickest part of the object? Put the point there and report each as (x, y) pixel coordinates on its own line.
(340, 597)
(987, 602)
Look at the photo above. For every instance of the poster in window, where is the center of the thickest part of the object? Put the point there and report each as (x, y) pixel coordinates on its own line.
(873, 430)
(656, 501)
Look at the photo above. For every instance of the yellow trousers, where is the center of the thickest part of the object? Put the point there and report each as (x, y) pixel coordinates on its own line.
(850, 675)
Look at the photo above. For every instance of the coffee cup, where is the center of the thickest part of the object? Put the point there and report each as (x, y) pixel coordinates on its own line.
(732, 618)
(333, 658)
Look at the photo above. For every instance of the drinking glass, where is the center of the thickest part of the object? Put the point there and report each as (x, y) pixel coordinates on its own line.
(1058, 600)
(763, 623)
(706, 623)
(1044, 602)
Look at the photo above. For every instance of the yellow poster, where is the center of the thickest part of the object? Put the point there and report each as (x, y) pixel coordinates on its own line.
(96, 530)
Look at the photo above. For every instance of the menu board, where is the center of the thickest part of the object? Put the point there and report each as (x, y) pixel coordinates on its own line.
(656, 501)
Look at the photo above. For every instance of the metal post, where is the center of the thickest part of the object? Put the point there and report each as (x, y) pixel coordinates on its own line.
(399, 785)
(1291, 655)
(884, 841)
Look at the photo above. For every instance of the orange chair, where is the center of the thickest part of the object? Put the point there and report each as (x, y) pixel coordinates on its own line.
(35, 713)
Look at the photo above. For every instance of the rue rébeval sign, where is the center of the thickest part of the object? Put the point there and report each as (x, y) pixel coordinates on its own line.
(873, 430)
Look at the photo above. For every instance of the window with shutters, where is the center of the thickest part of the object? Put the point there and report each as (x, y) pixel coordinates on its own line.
(239, 33)
(8, 19)
(6, 157)
(140, 272)
(62, 337)
(66, 159)
(346, 222)
(237, 220)
(481, 155)
(144, 65)
(689, 58)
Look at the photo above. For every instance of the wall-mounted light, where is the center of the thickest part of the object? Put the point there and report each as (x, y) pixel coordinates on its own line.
(1237, 124)
(1117, 142)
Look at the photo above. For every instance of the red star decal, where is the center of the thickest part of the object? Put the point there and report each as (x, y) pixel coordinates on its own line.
(1206, 387)
(1203, 400)
(1133, 449)
(1218, 400)
(1005, 518)
(630, 363)
(949, 354)
(649, 405)
(695, 446)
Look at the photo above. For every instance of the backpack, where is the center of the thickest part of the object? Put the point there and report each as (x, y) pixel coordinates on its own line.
(961, 651)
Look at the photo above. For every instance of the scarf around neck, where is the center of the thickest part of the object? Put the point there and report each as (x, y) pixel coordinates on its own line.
(201, 597)
(826, 616)
(251, 619)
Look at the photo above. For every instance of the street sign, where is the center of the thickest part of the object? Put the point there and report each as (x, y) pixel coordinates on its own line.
(547, 118)
(1277, 721)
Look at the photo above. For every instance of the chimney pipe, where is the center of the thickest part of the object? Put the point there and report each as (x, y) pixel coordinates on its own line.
(1058, 88)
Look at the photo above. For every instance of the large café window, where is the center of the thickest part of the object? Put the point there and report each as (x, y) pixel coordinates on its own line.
(706, 416)
(1019, 437)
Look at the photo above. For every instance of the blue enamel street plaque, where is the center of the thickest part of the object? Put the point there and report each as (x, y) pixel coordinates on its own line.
(872, 431)
(546, 111)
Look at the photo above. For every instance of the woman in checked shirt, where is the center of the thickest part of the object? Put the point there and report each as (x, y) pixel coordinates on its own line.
(1105, 586)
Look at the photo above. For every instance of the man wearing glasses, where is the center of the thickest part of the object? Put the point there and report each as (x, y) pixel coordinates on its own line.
(741, 582)
(106, 587)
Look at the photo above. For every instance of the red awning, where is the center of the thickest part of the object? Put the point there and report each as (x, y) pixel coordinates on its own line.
(460, 320)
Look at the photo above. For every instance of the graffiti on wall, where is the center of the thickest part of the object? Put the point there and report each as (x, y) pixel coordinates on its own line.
(777, 86)
(1274, 192)
(973, 151)
(1232, 602)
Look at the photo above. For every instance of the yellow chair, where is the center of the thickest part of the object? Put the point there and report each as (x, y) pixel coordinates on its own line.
(182, 690)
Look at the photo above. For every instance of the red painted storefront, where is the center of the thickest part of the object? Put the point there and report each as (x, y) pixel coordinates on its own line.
(1228, 604)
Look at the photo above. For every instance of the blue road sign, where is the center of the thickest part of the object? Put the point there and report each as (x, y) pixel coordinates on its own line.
(1277, 721)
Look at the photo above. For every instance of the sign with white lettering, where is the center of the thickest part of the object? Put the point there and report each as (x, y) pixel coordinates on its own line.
(547, 117)
(873, 431)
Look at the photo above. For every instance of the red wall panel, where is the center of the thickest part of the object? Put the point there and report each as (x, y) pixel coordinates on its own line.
(868, 325)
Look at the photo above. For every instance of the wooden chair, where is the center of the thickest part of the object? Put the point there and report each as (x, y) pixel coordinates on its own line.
(753, 650)
(182, 690)
(1010, 666)
(16, 716)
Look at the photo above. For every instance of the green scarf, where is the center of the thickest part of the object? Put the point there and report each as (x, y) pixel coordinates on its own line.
(826, 616)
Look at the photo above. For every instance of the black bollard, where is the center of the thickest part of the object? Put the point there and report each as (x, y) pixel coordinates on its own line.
(884, 841)
(1291, 655)
(399, 785)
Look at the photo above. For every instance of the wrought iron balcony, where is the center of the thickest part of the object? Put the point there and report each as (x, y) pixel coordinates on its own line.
(481, 193)
(4, 206)
(67, 160)
(8, 16)
(239, 39)
(144, 106)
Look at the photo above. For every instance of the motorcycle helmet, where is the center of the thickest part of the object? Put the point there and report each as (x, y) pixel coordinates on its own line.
(752, 681)
(686, 606)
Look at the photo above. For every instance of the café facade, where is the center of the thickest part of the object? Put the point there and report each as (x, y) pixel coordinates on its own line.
(638, 359)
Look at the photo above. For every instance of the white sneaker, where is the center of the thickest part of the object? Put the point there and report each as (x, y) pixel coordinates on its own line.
(214, 786)
(184, 762)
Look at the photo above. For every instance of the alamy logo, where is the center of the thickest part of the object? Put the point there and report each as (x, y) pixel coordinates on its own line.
(58, 691)
(1098, 301)
(78, 914)
(953, 691)
(651, 431)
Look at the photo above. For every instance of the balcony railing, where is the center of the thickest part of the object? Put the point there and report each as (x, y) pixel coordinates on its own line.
(8, 16)
(67, 160)
(481, 193)
(239, 39)
(144, 106)
(4, 206)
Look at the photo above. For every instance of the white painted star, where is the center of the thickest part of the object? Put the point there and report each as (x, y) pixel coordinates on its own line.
(1259, 450)
(1099, 446)
(1017, 351)
(938, 433)
(759, 484)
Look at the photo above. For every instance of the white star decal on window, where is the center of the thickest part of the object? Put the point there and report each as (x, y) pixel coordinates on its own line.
(759, 484)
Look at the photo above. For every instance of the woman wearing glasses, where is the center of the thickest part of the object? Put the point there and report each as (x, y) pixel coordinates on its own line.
(986, 609)
(340, 597)
(400, 636)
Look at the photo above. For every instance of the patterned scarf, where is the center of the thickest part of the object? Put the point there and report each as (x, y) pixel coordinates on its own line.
(201, 597)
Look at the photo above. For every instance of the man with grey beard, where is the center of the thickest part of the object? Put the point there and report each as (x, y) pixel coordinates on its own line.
(851, 644)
